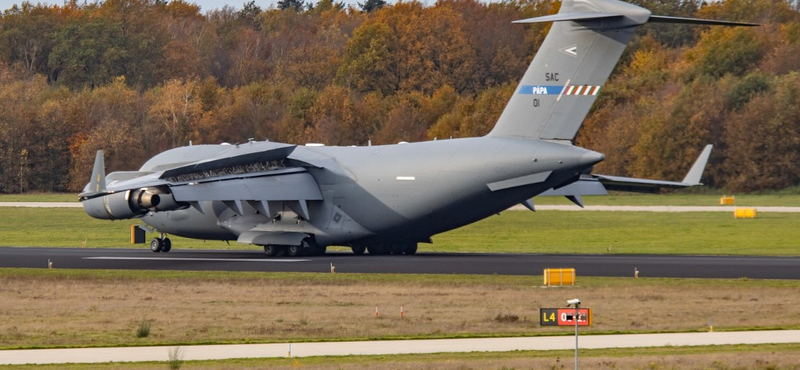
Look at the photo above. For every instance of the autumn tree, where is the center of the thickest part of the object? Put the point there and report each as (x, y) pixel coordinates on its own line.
(295, 5)
(763, 139)
(371, 5)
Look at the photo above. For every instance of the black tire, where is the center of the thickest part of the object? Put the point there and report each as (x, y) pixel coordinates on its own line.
(320, 250)
(294, 250)
(379, 249)
(359, 249)
(271, 250)
(397, 249)
(155, 245)
(410, 249)
(166, 245)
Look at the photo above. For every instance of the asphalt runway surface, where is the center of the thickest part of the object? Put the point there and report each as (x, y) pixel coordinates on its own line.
(754, 267)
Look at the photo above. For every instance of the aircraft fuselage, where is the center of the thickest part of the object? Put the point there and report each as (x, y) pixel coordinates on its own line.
(403, 192)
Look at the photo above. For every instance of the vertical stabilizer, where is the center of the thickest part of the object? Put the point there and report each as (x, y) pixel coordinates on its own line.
(696, 172)
(98, 183)
(569, 70)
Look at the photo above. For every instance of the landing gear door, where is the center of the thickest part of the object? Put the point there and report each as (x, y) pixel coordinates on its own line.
(337, 215)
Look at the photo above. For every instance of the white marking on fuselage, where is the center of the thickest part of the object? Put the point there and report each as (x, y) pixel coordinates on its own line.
(406, 178)
(193, 259)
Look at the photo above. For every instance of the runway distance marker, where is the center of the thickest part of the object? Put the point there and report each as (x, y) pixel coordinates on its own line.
(564, 317)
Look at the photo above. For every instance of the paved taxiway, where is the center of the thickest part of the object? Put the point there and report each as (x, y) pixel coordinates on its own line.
(219, 352)
(422, 263)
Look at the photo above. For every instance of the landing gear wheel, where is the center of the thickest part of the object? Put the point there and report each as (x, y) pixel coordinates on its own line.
(166, 245)
(359, 249)
(271, 250)
(294, 250)
(410, 249)
(397, 249)
(379, 249)
(320, 250)
(156, 245)
(308, 247)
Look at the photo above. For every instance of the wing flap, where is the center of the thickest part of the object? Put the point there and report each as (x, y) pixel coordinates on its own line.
(242, 155)
(281, 187)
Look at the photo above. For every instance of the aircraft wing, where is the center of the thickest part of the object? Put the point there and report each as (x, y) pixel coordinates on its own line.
(596, 184)
(256, 174)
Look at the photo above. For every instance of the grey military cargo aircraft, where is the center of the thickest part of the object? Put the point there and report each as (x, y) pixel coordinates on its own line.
(297, 200)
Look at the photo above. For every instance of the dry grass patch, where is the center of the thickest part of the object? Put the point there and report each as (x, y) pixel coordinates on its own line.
(79, 308)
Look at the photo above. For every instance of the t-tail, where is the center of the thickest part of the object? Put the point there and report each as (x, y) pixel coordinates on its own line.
(572, 66)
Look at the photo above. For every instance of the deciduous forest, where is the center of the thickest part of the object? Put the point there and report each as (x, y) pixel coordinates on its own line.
(136, 77)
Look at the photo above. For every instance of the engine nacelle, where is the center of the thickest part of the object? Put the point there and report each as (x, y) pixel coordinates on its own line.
(129, 204)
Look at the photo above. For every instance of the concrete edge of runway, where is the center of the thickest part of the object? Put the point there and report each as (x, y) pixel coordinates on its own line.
(392, 347)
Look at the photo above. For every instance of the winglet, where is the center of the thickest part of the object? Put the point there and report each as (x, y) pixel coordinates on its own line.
(98, 182)
(696, 172)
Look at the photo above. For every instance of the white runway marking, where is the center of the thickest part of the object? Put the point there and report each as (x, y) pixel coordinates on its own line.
(191, 259)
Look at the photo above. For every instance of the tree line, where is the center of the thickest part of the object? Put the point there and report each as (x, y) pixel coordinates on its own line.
(136, 77)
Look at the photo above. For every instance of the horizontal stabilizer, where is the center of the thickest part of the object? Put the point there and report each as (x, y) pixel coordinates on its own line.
(586, 185)
(632, 184)
(698, 21)
(595, 184)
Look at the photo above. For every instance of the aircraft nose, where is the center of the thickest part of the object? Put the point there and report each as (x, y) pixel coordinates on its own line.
(591, 158)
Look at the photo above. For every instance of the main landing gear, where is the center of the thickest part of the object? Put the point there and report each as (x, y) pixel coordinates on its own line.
(162, 244)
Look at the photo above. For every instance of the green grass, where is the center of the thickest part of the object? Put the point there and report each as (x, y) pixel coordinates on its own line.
(711, 233)
(71, 227)
(626, 232)
(249, 277)
(679, 199)
(40, 197)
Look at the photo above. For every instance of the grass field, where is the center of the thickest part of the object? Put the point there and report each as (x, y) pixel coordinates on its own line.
(40, 197)
(761, 357)
(57, 308)
(102, 308)
(510, 232)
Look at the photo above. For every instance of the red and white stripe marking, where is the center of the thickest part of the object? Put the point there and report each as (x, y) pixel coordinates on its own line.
(582, 90)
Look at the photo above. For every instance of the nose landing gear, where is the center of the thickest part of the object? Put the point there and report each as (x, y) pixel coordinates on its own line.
(162, 244)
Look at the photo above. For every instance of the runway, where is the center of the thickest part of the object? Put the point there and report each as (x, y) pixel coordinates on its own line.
(392, 347)
(423, 263)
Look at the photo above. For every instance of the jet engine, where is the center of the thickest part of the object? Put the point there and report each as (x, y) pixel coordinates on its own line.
(129, 204)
